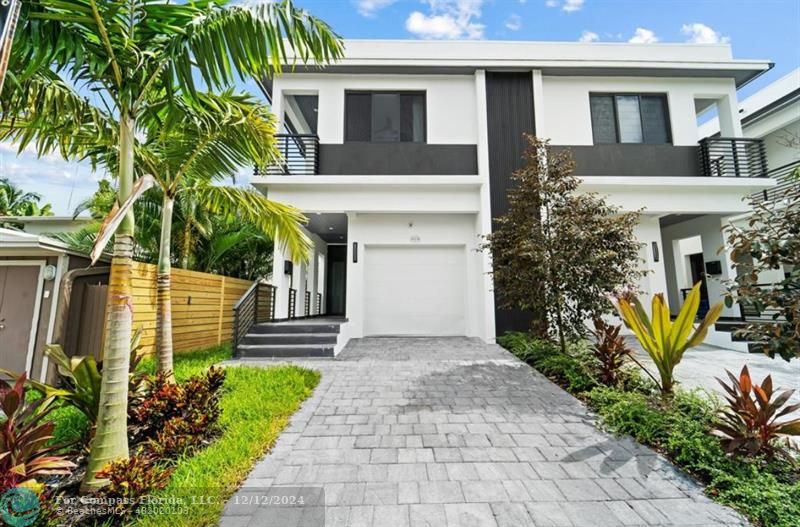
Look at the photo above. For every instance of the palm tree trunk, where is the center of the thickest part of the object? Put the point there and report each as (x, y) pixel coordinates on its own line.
(187, 243)
(110, 441)
(163, 297)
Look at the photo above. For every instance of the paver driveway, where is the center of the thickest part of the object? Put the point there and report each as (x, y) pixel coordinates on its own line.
(453, 432)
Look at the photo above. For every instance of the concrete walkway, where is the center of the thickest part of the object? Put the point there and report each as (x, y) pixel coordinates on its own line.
(453, 432)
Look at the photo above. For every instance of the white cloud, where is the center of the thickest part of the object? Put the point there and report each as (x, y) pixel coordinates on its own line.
(643, 36)
(572, 5)
(369, 8)
(514, 22)
(702, 34)
(589, 36)
(551, 3)
(448, 19)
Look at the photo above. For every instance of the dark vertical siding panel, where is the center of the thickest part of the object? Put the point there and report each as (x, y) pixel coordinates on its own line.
(509, 107)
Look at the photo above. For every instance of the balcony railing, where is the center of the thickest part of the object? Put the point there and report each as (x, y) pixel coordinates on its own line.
(788, 183)
(733, 157)
(299, 156)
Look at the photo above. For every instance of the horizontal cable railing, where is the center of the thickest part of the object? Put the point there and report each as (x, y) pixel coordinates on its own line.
(319, 303)
(788, 183)
(733, 157)
(307, 306)
(299, 156)
(256, 305)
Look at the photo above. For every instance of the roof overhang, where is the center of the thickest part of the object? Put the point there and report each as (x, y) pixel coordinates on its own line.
(553, 58)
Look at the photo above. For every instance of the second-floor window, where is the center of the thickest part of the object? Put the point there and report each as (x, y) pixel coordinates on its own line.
(630, 118)
(385, 117)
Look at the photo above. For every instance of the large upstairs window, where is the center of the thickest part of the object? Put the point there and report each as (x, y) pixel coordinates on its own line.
(630, 118)
(384, 117)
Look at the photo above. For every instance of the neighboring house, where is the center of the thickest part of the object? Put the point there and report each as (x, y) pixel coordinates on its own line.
(37, 275)
(47, 224)
(401, 154)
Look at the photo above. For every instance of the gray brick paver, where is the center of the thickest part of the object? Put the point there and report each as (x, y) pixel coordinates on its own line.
(436, 432)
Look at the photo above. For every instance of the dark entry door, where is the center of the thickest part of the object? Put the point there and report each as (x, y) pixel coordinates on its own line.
(18, 288)
(697, 266)
(336, 280)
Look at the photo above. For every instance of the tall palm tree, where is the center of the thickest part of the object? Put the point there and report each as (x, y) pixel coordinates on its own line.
(186, 161)
(131, 58)
(16, 202)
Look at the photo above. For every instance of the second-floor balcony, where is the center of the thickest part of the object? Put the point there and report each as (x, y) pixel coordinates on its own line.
(303, 155)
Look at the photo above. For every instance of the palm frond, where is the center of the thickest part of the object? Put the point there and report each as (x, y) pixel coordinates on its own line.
(270, 217)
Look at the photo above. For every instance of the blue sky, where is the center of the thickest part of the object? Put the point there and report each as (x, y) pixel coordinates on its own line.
(757, 29)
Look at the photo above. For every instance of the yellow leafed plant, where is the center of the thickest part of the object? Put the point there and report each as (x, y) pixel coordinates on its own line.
(665, 340)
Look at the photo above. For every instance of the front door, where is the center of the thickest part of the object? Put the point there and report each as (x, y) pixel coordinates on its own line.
(19, 290)
(697, 265)
(336, 280)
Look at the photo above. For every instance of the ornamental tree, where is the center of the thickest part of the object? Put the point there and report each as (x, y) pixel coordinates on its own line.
(770, 241)
(559, 253)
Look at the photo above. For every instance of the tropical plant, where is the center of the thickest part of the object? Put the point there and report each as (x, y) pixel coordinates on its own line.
(750, 423)
(666, 341)
(16, 202)
(770, 243)
(557, 253)
(610, 350)
(187, 162)
(130, 479)
(25, 434)
(134, 57)
(80, 378)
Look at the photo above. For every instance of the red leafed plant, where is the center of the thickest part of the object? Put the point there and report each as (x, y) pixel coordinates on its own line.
(131, 479)
(749, 423)
(610, 350)
(25, 452)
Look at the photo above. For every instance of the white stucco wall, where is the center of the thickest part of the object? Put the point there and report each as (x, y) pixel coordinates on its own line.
(567, 116)
(778, 153)
(654, 281)
(415, 230)
(451, 116)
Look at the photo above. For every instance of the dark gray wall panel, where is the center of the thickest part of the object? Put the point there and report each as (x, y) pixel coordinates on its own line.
(397, 159)
(634, 160)
(509, 109)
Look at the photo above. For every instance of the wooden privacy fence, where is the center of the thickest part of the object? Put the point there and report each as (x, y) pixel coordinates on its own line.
(202, 307)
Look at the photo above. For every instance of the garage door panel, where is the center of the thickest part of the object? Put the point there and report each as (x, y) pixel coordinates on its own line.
(415, 290)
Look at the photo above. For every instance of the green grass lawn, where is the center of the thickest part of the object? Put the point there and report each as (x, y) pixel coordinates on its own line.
(256, 406)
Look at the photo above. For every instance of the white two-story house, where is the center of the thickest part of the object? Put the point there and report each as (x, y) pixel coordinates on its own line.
(401, 154)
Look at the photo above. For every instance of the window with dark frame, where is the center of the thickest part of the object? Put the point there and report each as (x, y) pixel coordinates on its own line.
(630, 118)
(384, 117)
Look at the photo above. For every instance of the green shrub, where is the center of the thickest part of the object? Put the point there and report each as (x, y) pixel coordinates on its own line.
(629, 413)
(759, 495)
(567, 371)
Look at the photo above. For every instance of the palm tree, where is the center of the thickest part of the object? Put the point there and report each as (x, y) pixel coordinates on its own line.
(132, 58)
(186, 161)
(16, 202)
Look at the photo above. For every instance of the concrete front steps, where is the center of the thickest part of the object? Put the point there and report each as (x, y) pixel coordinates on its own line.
(725, 332)
(299, 338)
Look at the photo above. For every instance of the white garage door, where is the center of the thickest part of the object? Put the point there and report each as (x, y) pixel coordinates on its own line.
(414, 290)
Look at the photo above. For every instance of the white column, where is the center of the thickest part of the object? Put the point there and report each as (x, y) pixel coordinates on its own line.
(484, 219)
(728, 109)
(280, 280)
(538, 105)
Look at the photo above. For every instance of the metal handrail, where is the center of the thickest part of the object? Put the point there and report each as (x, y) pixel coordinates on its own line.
(733, 157)
(788, 182)
(319, 303)
(299, 156)
(256, 305)
(292, 303)
(307, 306)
